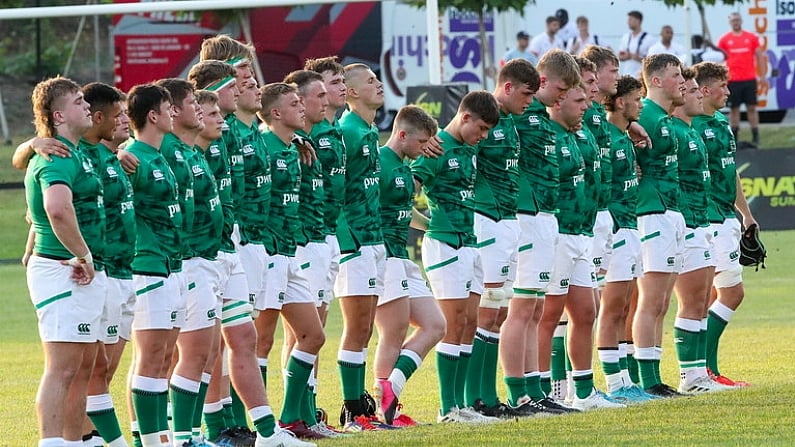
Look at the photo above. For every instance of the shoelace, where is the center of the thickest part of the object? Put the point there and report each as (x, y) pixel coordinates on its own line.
(364, 422)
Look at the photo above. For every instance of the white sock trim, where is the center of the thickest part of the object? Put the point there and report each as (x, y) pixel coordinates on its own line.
(449, 349)
(304, 356)
(722, 311)
(355, 357)
(186, 384)
(150, 384)
(98, 403)
(260, 412)
(413, 356)
(688, 325)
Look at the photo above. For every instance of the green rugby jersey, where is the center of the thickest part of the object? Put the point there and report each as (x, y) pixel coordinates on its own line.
(331, 153)
(721, 147)
(158, 216)
(595, 119)
(279, 234)
(624, 180)
(79, 175)
(694, 175)
(539, 177)
(449, 184)
(497, 182)
(571, 204)
(253, 207)
(177, 154)
(218, 162)
(360, 217)
(208, 213)
(119, 211)
(311, 226)
(592, 159)
(234, 150)
(659, 183)
(397, 199)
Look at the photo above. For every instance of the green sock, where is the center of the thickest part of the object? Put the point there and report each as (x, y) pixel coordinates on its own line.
(228, 414)
(648, 378)
(146, 411)
(265, 424)
(162, 412)
(446, 370)
(197, 411)
(307, 407)
(184, 393)
(632, 367)
(488, 385)
(461, 376)
(102, 414)
(516, 389)
(558, 361)
(583, 383)
(349, 378)
(715, 327)
(214, 423)
(687, 339)
(238, 408)
(298, 370)
(546, 384)
(532, 383)
(136, 437)
(474, 371)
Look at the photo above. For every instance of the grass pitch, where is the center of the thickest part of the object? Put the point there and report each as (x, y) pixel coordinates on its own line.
(757, 347)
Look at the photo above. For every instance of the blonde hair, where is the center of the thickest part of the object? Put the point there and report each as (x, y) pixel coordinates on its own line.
(44, 98)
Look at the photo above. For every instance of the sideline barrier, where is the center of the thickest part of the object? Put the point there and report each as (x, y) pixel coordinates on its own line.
(768, 179)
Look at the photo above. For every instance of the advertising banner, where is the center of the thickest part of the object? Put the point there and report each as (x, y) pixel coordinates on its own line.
(768, 179)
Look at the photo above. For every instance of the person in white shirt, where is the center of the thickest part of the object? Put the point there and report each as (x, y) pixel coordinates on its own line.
(583, 38)
(521, 51)
(667, 45)
(634, 45)
(568, 30)
(705, 51)
(547, 40)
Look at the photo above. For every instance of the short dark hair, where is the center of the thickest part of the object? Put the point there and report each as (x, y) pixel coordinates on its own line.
(626, 84)
(207, 73)
(688, 73)
(585, 65)
(520, 71)
(636, 14)
(271, 93)
(709, 72)
(179, 89)
(206, 97)
(143, 99)
(482, 104)
(323, 64)
(100, 96)
(654, 63)
(551, 19)
(302, 79)
(416, 119)
(600, 56)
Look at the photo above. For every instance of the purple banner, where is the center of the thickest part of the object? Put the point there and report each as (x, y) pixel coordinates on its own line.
(785, 34)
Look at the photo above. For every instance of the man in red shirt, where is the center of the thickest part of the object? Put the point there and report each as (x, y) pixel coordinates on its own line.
(743, 56)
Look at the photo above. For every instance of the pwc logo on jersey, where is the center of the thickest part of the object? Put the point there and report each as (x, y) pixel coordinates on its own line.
(173, 210)
(498, 134)
(263, 179)
(370, 181)
(549, 149)
(281, 165)
(290, 198)
(317, 183)
(214, 202)
(511, 163)
(726, 161)
(126, 206)
(671, 159)
(631, 183)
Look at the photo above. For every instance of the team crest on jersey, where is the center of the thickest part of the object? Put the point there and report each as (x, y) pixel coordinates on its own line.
(158, 174)
(111, 172)
(498, 134)
(709, 134)
(178, 156)
(366, 150)
(664, 131)
(474, 162)
(533, 120)
(247, 149)
(453, 163)
(87, 166)
(224, 127)
(197, 170)
(692, 145)
(281, 165)
(214, 150)
(324, 142)
(580, 134)
(399, 182)
(596, 120)
(565, 151)
(620, 154)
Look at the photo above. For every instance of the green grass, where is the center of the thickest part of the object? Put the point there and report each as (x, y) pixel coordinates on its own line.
(757, 347)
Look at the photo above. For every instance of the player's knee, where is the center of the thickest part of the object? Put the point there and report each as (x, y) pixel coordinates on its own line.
(728, 278)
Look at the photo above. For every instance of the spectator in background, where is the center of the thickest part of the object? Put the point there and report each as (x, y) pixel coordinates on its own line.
(547, 40)
(634, 45)
(705, 51)
(667, 45)
(567, 29)
(744, 56)
(583, 38)
(521, 51)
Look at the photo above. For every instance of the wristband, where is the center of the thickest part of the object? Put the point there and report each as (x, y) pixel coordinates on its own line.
(80, 260)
